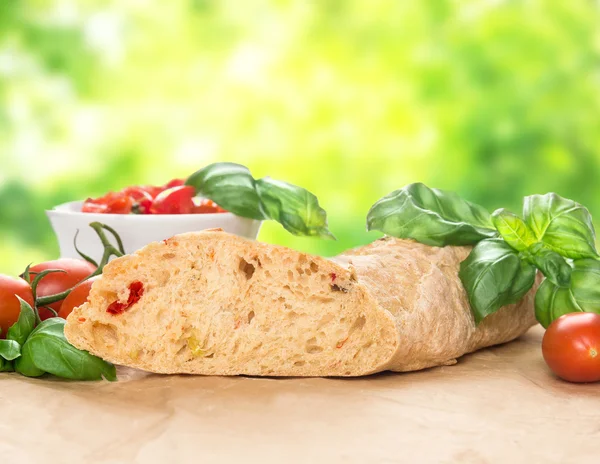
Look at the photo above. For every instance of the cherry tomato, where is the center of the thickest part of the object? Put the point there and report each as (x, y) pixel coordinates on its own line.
(10, 307)
(571, 347)
(174, 183)
(142, 200)
(175, 200)
(58, 282)
(77, 297)
(206, 206)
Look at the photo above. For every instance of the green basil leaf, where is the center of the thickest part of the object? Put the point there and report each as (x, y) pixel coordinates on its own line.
(583, 295)
(21, 329)
(6, 366)
(9, 349)
(49, 351)
(553, 266)
(430, 216)
(562, 224)
(295, 208)
(231, 186)
(25, 365)
(494, 275)
(513, 229)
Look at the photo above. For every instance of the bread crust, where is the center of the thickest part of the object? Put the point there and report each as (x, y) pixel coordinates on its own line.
(420, 287)
(392, 305)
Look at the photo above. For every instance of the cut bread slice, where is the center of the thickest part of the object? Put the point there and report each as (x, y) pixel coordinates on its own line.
(217, 304)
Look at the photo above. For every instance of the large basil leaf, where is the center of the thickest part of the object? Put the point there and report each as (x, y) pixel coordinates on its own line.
(513, 229)
(553, 266)
(430, 216)
(48, 350)
(9, 349)
(295, 208)
(561, 224)
(583, 295)
(233, 188)
(21, 329)
(494, 275)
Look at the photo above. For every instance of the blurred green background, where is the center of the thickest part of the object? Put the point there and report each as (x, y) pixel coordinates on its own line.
(350, 99)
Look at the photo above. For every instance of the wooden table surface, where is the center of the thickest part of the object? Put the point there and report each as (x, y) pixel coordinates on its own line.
(500, 405)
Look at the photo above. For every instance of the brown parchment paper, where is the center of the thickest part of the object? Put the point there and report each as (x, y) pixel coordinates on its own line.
(500, 405)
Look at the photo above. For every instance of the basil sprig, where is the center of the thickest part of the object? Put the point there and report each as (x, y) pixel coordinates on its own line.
(430, 216)
(233, 188)
(36, 350)
(555, 236)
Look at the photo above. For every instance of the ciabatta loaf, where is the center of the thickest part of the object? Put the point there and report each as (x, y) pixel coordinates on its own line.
(217, 304)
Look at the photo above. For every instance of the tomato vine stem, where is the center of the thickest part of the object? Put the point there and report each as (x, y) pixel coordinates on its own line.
(109, 251)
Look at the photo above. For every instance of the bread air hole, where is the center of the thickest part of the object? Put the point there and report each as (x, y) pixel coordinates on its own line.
(312, 347)
(337, 288)
(358, 324)
(310, 270)
(299, 363)
(251, 316)
(247, 268)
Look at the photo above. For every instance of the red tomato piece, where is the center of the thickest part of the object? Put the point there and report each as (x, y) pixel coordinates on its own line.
(176, 200)
(174, 183)
(136, 291)
(153, 190)
(111, 203)
(89, 206)
(206, 206)
(120, 204)
(142, 200)
(571, 347)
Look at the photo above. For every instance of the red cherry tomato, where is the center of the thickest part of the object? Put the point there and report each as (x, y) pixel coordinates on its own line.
(571, 347)
(174, 183)
(77, 297)
(58, 282)
(176, 200)
(142, 200)
(206, 206)
(10, 307)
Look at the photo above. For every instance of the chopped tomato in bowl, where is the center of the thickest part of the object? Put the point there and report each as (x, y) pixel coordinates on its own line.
(142, 214)
(173, 198)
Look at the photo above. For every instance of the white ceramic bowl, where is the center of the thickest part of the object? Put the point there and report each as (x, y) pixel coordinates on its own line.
(136, 230)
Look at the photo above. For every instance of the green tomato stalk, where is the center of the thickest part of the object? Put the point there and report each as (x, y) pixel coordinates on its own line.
(110, 250)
